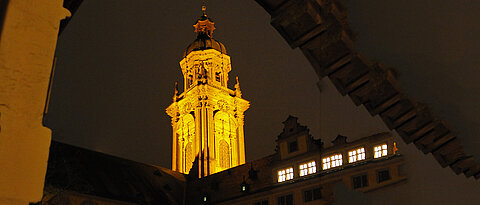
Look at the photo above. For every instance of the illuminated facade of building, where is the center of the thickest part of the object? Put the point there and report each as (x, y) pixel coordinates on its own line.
(208, 153)
(302, 171)
(208, 117)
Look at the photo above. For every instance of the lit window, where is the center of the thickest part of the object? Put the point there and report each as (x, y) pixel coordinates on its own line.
(332, 161)
(380, 150)
(285, 174)
(308, 168)
(356, 155)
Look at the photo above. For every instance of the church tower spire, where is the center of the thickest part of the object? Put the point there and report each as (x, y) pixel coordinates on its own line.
(208, 117)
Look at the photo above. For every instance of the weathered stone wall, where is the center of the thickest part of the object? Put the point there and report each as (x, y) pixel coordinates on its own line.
(320, 29)
(27, 45)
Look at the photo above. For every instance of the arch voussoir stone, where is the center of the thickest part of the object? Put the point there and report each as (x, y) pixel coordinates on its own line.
(320, 29)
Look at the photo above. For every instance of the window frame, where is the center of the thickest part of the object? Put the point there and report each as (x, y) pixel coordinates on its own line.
(383, 170)
(331, 163)
(287, 175)
(284, 196)
(362, 183)
(262, 202)
(383, 152)
(307, 168)
(313, 195)
(356, 155)
(289, 144)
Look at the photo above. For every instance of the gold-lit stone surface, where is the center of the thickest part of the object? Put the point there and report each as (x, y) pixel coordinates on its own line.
(27, 46)
(207, 118)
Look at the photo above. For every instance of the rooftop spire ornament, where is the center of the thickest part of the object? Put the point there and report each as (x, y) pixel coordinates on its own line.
(204, 26)
(204, 7)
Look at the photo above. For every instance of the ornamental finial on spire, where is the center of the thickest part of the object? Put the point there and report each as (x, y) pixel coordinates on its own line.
(204, 7)
(238, 92)
(204, 26)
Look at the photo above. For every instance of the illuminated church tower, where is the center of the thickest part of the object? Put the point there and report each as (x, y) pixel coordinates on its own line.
(207, 118)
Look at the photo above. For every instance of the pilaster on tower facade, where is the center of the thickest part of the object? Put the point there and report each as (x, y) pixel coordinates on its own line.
(208, 117)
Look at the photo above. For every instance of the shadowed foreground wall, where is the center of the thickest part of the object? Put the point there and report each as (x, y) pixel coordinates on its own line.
(27, 45)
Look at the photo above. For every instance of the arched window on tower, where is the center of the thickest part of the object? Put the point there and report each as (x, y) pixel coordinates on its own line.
(224, 149)
(188, 157)
(187, 126)
(189, 81)
(217, 76)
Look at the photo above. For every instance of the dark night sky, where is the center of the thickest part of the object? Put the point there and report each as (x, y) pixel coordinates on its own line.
(118, 61)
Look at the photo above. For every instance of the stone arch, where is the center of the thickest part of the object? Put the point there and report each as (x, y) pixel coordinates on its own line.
(320, 29)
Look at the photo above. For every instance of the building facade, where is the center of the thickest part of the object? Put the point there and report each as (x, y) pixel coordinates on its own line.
(302, 171)
(208, 117)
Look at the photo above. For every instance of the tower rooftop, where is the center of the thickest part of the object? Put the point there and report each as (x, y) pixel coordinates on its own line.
(204, 28)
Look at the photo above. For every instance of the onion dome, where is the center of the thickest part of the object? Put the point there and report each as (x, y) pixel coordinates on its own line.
(204, 28)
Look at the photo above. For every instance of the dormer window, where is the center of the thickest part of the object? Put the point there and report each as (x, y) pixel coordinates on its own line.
(332, 161)
(308, 168)
(285, 174)
(292, 146)
(356, 155)
(380, 150)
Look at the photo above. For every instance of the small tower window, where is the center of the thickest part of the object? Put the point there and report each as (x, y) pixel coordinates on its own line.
(217, 76)
(189, 81)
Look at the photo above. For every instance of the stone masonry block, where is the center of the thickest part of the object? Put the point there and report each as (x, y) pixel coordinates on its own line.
(378, 75)
(325, 50)
(299, 22)
(448, 153)
(472, 171)
(439, 135)
(270, 5)
(337, 9)
(382, 96)
(351, 75)
(463, 165)
(421, 123)
(399, 112)
(359, 95)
